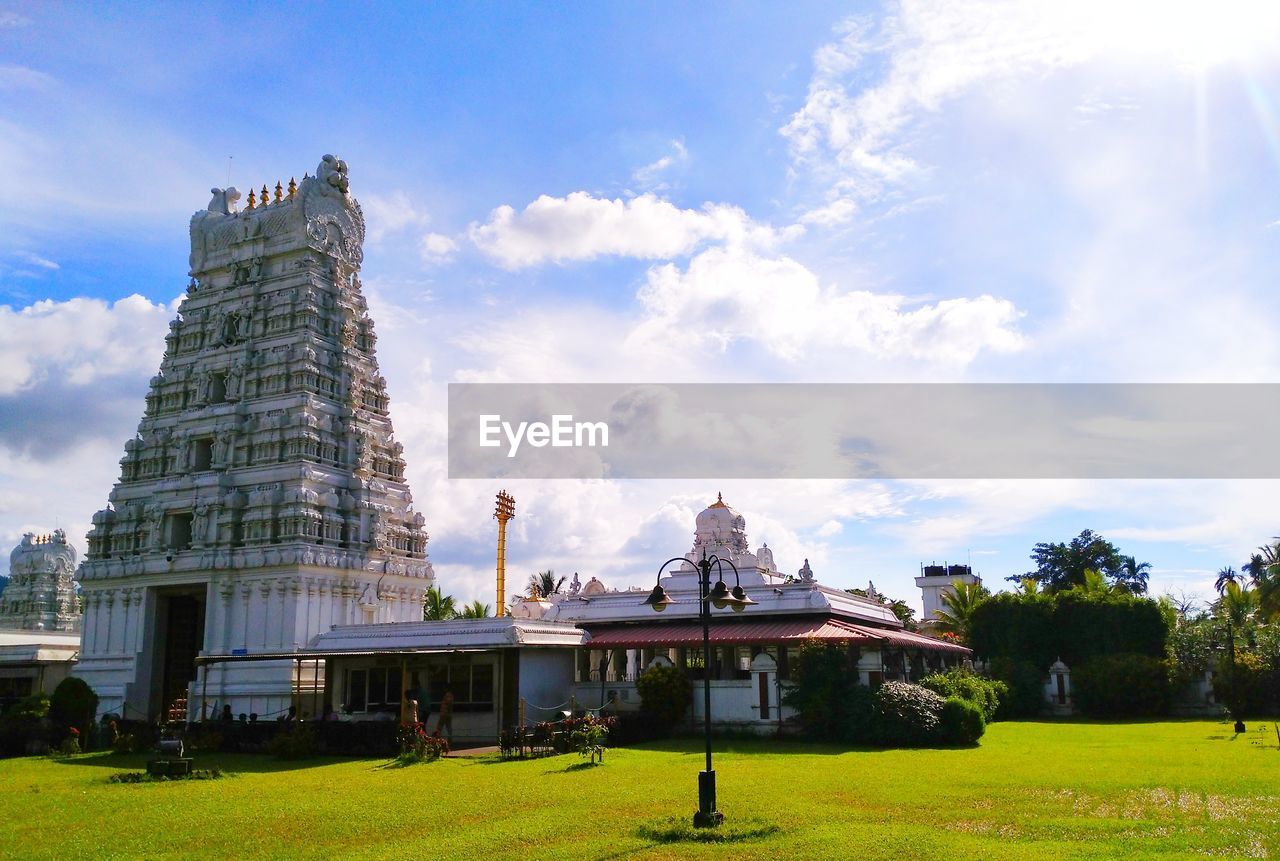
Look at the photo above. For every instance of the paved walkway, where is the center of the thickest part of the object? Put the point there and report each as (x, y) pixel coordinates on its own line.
(473, 751)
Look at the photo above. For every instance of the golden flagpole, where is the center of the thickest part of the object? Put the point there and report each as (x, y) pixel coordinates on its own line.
(504, 511)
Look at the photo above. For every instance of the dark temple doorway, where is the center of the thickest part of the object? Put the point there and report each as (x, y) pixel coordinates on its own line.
(182, 631)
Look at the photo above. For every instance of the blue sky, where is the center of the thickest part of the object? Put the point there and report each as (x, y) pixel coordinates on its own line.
(672, 192)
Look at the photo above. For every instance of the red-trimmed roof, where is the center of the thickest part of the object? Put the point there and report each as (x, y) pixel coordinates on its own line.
(682, 633)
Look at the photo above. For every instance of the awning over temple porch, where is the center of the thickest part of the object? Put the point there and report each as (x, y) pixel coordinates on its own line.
(763, 631)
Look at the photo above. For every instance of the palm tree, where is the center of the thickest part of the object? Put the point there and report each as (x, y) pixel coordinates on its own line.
(1096, 584)
(1134, 574)
(961, 600)
(475, 610)
(1029, 586)
(1238, 604)
(1264, 571)
(437, 606)
(1226, 577)
(546, 582)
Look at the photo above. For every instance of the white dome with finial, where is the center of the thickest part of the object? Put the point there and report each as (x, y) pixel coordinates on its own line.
(720, 529)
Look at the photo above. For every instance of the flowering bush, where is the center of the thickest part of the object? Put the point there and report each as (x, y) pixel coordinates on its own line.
(416, 745)
(71, 744)
(907, 714)
(588, 735)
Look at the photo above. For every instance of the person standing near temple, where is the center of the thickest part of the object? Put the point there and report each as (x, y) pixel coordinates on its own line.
(444, 726)
(409, 708)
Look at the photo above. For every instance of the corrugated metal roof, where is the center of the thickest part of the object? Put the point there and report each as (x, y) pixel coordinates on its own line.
(761, 631)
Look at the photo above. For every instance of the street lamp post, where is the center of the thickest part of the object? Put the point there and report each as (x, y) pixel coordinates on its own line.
(707, 816)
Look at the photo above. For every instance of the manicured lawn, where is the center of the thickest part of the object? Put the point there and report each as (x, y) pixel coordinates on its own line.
(1031, 790)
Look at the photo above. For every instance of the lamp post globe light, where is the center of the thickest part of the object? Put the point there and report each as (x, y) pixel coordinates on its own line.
(720, 596)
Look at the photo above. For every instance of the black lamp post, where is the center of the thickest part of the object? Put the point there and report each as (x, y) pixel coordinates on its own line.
(721, 596)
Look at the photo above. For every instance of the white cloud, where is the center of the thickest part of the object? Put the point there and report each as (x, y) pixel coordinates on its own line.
(933, 51)
(21, 77)
(837, 211)
(80, 341)
(437, 248)
(649, 174)
(732, 294)
(37, 260)
(583, 227)
(387, 214)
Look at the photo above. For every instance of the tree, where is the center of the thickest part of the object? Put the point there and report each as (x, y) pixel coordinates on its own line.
(73, 705)
(1134, 575)
(1061, 566)
(1238, 605)
(1226, 577)
(475, 610)
(1097, 585)
(546, 582)
(438, 607)
(1263, 569)
(1185, 604)
(960, 601)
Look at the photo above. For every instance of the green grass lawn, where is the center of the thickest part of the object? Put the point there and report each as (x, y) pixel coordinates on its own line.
(1031, 790)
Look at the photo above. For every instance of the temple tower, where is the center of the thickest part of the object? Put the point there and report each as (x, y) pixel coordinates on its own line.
(41, 595)
(263, 497)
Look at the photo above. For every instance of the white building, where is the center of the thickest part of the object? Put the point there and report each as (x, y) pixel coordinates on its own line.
(935, 581)
(587, 647)
(263, 498)
(39, 617)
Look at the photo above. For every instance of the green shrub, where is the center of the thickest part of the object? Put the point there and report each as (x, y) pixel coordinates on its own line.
(1070, 625)
(1024, 688)
(664, 693)
(906, 714)
(961, 721)
(590, 737)
(296, 742)
(1250, 690)
(987, 694)
(73, 704)
(24, 727)
(829, 702)
(1125, 685)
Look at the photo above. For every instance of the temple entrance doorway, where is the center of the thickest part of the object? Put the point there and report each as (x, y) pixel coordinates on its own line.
(181, 616)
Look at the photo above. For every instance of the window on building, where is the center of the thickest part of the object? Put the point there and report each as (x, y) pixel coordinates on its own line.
(357, 691)
(202, 454)
(179, 531)
(218, 389)
(15, 689)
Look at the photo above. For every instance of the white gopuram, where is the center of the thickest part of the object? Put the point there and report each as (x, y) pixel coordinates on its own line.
(41, 595)
(263, 499)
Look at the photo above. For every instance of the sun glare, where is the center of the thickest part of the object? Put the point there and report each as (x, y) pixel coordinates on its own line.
(1191, 33)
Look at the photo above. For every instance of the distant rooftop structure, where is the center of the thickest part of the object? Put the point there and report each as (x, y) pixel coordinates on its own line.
(41, 594)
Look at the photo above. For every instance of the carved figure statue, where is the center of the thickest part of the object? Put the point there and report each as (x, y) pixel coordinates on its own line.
(224, 200)
(575, 585)
(332, 174)
(234, 377)
(200, 522)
